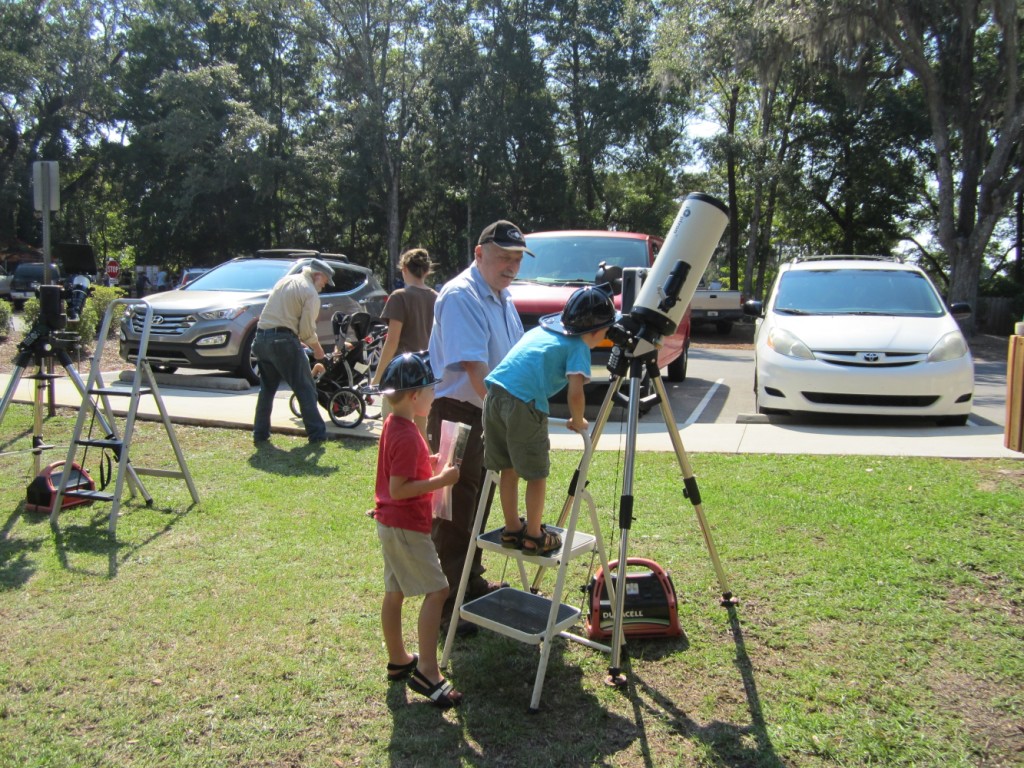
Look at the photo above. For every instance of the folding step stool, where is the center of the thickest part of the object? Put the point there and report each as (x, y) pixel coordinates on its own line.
(97, 396)
(518, 613)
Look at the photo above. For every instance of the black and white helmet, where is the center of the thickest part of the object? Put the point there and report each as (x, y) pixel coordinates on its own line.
(588, 309)
(407, 371)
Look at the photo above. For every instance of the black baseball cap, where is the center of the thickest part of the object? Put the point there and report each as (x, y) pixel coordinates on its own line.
(504, 234)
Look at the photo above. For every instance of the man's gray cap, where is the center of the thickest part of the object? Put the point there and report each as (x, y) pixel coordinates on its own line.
(323, 268)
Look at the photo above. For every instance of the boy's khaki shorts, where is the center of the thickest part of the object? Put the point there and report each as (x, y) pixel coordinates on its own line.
(515, 435)
(410, 562)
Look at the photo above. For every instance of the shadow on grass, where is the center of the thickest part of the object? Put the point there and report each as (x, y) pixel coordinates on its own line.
(16, 566)
(303, 459)
(94, 538)
(492, 727)
(731, 744)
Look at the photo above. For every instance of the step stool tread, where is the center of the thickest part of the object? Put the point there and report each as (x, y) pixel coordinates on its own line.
(518, 614)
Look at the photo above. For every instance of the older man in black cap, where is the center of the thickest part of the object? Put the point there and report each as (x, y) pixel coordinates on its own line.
(475, 325)
(289, 318)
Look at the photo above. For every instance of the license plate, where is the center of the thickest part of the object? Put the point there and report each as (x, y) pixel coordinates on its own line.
(713, 313)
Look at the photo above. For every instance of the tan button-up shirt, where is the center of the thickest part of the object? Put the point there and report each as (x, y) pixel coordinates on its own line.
(294, 303)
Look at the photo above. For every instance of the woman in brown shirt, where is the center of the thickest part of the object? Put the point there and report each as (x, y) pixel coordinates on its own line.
(410, 313)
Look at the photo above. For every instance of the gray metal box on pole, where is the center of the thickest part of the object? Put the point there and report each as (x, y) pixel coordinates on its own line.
(46, 194)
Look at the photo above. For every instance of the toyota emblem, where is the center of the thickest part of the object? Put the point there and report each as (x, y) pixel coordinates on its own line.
(871, 357)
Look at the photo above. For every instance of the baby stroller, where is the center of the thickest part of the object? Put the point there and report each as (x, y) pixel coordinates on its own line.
(358, 341)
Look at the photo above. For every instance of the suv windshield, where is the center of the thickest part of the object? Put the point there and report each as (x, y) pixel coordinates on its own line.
(575, 259)
(249, 275)
(857, 292)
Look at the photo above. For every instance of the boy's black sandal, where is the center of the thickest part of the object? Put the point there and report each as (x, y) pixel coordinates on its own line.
(514, 539)
(543, 544)
(442, 694)
(401, 671)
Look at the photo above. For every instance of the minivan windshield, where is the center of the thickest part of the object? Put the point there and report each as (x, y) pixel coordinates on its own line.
(857, 292)
(575, 259)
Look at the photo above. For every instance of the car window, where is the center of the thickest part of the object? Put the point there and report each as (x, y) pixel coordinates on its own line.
(34, 272)
(857, 291)
(248, 275)
(345, 280)
(575, 259)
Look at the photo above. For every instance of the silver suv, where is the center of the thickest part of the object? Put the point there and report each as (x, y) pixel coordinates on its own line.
(210, 323)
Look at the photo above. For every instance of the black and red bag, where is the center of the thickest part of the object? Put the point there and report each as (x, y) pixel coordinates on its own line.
(651, 608)
(39, 497)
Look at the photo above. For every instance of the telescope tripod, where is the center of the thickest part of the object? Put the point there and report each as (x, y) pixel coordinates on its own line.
(39, 346)
(636, 368)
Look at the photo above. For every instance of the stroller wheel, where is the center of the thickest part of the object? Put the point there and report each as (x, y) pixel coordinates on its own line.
(293, 403)
(346, 408)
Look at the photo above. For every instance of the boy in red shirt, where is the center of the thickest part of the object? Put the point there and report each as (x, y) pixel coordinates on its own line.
(403, 511)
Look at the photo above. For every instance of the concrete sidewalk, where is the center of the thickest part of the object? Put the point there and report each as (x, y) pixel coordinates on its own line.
(234, 410)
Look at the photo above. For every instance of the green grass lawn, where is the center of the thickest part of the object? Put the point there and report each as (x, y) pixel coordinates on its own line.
(880, 620)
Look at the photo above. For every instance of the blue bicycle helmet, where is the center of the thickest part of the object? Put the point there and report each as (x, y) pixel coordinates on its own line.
(407, 371)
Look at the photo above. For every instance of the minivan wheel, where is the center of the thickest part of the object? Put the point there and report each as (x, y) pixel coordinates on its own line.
(249, 367)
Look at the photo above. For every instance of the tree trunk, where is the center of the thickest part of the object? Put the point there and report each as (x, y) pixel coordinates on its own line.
(734, 231)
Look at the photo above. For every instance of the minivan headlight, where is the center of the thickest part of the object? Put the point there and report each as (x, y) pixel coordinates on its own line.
(785, 343)
(952, 346)
(229, 313)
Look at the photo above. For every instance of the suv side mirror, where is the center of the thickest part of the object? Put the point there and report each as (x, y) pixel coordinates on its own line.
(753, 308)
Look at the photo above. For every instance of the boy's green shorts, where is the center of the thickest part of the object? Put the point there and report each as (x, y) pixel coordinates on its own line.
(515, 435)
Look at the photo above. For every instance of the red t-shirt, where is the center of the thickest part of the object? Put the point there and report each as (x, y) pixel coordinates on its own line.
(403, 452)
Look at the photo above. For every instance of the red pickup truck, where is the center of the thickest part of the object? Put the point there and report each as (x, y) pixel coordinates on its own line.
(568, 259)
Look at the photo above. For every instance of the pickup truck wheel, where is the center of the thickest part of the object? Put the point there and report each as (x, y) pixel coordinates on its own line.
(249, 368)
(676, 370)
(724, 327)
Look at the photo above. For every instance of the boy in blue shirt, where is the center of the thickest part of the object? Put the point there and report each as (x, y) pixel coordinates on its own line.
(516, 409)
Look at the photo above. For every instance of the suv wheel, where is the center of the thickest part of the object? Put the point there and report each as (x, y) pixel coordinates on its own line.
(676, 370)
(249, 368)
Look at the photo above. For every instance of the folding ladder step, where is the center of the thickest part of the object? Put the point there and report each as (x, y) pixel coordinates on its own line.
(102, 443)
(582, 543)
(86, 494)
(122, 391)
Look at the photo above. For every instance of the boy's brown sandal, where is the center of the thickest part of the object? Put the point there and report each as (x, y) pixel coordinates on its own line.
(543, 544)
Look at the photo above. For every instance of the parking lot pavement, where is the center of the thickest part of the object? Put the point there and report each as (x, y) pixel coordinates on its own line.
(235, 409)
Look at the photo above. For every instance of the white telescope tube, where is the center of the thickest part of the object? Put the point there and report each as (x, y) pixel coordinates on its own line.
(692, 240)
